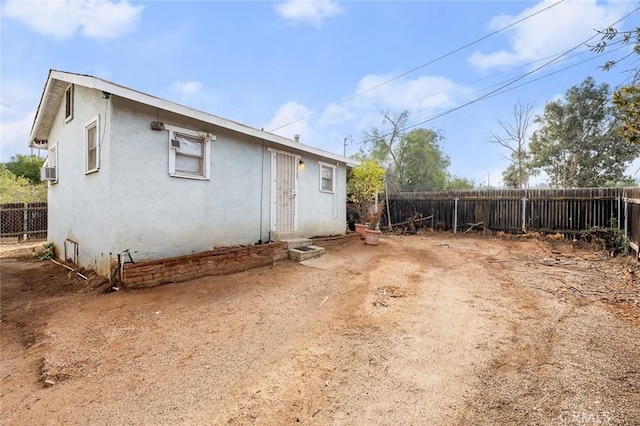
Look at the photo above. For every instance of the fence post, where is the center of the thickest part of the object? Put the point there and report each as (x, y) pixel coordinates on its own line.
(455, 215)
(524, 214)
(25, 221)
(619, 212)
(626, 227)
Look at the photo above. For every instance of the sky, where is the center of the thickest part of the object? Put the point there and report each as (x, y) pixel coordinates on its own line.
(324, 69)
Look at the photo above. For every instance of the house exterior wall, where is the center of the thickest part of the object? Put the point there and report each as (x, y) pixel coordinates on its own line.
(133, 203)
(80, 200)
(156, 215)
(321, 213)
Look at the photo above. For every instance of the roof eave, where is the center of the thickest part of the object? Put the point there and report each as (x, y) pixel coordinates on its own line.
(38, 118)
(136, 96)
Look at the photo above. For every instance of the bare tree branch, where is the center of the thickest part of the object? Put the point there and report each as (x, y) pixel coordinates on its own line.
(514, 138)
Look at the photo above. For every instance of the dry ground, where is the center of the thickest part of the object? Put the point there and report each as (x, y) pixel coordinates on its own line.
(422, 330)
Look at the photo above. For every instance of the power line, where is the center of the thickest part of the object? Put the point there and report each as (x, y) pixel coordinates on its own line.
(535, 79)
(515, 78)
(492, 94)
(500, 90)
(500, 73)
(347, 99)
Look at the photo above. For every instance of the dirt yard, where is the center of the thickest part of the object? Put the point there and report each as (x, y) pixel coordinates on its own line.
(429, 329)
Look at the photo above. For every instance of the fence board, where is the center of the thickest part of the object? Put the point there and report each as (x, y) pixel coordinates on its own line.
(548, 210)
(632, 201)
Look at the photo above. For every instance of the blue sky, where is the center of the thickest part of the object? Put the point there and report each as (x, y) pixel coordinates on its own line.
(270, 63)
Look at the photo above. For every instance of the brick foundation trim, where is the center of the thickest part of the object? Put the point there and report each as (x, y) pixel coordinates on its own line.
(336, 240)
(216, 262)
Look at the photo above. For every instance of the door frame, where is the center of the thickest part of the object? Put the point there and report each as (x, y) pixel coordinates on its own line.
(274, 189)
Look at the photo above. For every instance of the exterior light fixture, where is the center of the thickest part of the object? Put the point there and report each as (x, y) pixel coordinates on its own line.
(300, 165)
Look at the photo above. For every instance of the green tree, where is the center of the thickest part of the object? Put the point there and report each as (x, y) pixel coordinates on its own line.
(17, 189)
(414, 161)
(612, 37)
(514, 138)
(26, 166)
(627, 100)
(365, 181)
(423, 162)
(385, 147)
(627, 182)
(454, 182)
(627, 97)
(511, 177)
(577, 144)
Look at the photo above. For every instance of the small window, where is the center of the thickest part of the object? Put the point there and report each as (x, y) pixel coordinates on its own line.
(68, 104)
(327, 177)
(92, 145)
(189, 153)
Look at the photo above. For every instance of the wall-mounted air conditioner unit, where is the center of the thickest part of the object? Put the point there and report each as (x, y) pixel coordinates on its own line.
(49, 173)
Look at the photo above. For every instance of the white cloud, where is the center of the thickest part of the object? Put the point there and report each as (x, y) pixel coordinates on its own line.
(188, 88)
(421, 93)
(634, 169)
(19, 99)
(297, 114)
(14, 135)
(19, 95)
(312, 12)
(97, 19)
(422, 96)
(552, 31)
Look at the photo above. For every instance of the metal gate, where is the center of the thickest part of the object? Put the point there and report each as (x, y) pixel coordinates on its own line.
(284, 192)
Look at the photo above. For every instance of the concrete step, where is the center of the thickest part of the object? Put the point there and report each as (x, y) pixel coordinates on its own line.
(301, 253)
(297, 242)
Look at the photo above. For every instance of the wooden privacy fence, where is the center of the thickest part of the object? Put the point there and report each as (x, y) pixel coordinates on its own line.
(567, 211)
(632, 225)
(23, 220)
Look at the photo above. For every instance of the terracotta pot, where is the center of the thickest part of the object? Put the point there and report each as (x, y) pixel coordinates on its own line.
(371, 236)
(361, 229)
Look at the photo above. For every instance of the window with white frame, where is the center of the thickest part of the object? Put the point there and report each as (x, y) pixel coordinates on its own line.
(49, 171)
(189, 153)
(68, 104)
(327, 177)
(92, 145)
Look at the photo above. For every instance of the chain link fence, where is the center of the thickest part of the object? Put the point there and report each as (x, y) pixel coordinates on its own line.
(24, 221)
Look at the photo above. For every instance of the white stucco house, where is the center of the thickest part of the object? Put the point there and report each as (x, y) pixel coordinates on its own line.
(128, 170)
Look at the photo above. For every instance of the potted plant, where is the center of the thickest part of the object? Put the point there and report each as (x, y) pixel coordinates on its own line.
(361, 229)
(372, 232)
(366, 181)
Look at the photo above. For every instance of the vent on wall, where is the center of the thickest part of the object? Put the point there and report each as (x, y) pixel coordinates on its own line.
(71, 251)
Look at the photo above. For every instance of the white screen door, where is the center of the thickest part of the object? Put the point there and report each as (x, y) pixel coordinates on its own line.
(284, 189)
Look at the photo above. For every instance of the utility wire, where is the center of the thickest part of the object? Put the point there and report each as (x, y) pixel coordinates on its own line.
(530, 81)
(347, 99)
(508, 81)
(503, 72)
(549, 74)
(500, 90)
